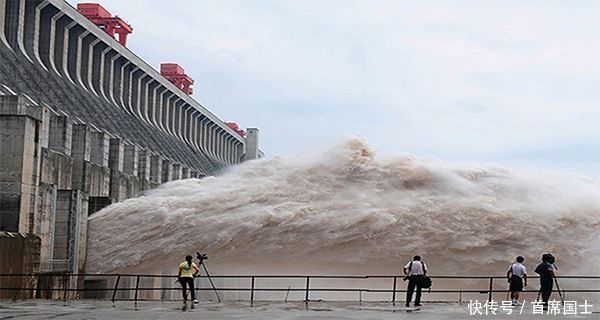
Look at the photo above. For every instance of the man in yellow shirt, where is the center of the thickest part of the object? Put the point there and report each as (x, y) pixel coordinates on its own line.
(187, 271)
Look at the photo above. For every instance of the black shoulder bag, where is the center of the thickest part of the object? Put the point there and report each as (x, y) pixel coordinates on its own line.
(426, 282)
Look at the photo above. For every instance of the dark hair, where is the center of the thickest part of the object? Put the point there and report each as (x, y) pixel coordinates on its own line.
(520, 259)
(189, 260)
(418, 258)
(548, 257)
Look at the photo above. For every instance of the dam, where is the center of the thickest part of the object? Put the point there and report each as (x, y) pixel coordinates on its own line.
(84, 123)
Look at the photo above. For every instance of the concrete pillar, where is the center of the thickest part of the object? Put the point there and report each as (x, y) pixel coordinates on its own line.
(151, 101)
(185, 173)
(92, 62)
(99, 142)
(176, 171)
(106, 71)
(99, 50)
(211, 135)
(124, 86)
(147, 85)
(194, 174)
(80, 151)
(240, 152)
(2, 22)
(220, 144)
(114, 78)
(143, 167)
(167, 169)
(83, 52)
(70, 231)
(97, 172)
(59, 43)
(69, 49)
(19, 159)
(202, 136)
(115, 163)
(73, 53)
(135, 78)
(130, 159)
(163, 106)
(21, 28)
(60, 135)
(251, 144)
(193, 137)
(228, 149)
(156, 166)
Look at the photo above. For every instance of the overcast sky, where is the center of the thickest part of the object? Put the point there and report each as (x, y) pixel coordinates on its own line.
(514, 82)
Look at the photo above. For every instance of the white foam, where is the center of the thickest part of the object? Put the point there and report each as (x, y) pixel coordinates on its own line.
(348, 211)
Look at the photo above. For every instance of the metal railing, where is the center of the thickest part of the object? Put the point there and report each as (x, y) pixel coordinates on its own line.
(69, 285)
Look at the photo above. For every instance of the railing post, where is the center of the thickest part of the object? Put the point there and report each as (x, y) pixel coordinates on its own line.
(137, 286)
(252, 293)
(116, 286)
(394, 292)
(491, 288)
(35, 293)
(307, 289)
(66, 286)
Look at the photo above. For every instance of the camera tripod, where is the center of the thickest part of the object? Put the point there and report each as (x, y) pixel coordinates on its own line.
(201, 258)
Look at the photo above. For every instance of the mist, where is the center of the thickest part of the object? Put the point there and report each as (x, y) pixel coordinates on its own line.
(350, 211)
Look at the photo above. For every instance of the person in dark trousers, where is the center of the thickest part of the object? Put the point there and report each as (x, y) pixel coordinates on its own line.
(187, 271)
(546, 272)
(516, 274)
(415, 272)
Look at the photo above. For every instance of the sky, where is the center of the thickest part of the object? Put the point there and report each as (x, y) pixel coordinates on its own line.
(510, 82)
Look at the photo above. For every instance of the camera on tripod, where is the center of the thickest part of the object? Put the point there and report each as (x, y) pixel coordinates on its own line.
(201, 256)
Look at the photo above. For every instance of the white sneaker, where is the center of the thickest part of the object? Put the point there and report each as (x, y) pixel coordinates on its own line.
(196, 301)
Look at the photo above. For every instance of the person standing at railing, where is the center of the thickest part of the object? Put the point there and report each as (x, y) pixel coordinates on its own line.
(187, 271)
(517, 278)
(546, 272)
(415, 272)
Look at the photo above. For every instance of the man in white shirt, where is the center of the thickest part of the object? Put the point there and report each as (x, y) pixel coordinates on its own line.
(516, 274)
(415, 272)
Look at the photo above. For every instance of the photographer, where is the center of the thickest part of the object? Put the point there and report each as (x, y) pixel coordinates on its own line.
(415, 272)
(187, 271)
(546, 272)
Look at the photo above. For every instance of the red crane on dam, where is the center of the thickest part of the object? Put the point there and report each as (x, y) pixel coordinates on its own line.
(103, 19)
(175, 73)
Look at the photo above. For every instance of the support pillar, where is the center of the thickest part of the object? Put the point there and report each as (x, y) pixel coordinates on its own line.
(252, 144)
(166, 170)
(130, 159)
(143, 168)
(61, 134)
(115, 164)
(80, 151)
(176, 171)
(156, 166)
(20, 123)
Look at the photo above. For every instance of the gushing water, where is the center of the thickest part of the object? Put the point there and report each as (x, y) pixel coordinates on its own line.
(348, 211)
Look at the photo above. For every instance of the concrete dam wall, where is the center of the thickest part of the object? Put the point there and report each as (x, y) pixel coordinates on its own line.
(84, 123)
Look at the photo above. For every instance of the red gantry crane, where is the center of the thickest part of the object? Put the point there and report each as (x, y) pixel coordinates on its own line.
(103, 19)
(175, 73)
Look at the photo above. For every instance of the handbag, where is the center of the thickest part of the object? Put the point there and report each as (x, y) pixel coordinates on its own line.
(426, 281)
